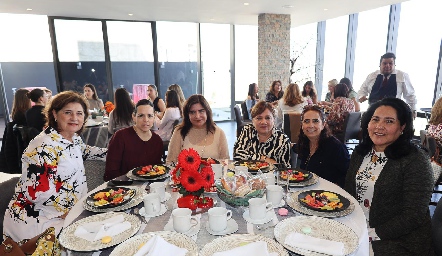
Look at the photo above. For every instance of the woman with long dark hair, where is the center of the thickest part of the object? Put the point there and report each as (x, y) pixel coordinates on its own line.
(121, 116)
(252, 98)
(198, 131)
(172, 113)
(92, 97)
(351, 92)
(275, 92)
(158, 104)
(309, 92)
(34, 116)
(20, 105)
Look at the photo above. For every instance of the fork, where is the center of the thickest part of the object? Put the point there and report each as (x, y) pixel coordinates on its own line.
(137, 213)
(264, 227)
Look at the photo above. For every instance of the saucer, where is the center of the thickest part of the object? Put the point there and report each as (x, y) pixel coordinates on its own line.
(281, 204)
(191, 232)
(167, 196)
(232, 227)
(269, 217)
(161, 212)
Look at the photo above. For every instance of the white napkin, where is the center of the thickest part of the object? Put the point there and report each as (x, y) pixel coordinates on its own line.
(310, 243)
(158, 246)
(96, 230)
(256, 249)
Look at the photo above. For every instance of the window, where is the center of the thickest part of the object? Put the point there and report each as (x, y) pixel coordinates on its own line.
(246, 59)
(303, 49)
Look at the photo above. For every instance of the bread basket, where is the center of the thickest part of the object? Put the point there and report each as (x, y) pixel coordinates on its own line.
(233, 200)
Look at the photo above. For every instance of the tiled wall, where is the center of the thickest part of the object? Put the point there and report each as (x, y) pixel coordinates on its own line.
(273, 50)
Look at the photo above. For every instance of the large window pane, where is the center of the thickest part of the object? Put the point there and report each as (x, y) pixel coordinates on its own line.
(246, 59)
(334, 51)
(131, 54)
(177, 55)
(81, 54)
(303, 49)
(25, 54)
(370, 44)
(215, 61)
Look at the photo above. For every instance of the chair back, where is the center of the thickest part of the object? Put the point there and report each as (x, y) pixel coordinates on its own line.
(431, 145)
(436, 222)
(292, 126)
(7, 189)
(245, 113)
(352, 127)
(23, 135)
(94, 170)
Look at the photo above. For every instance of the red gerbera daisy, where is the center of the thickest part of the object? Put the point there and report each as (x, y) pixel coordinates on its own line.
(207, 176)
(191, 180)
(189, 159)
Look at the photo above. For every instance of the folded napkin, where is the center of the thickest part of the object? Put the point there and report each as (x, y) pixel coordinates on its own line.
(96, 230)
(158, 246)
(256, 249)
(314, 244)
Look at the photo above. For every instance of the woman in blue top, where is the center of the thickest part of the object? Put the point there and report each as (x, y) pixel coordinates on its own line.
(252, 98)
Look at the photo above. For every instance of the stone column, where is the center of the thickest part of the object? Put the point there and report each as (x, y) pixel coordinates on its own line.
(273, 50)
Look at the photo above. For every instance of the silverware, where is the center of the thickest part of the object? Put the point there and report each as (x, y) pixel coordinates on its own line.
(264, 227)
(141, 217)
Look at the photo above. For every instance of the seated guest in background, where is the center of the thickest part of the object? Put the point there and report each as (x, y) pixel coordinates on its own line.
(252, 98)
(260, 140)
(275, 93)
(20, 105)
(134, 146)
(179, 91)
(121, 116)
(351, 93)
(198, 131)
(339, 109)
(48, 93)
(319, 151)
(435, 128)
(383, 178)
(34, 116)
(309, 92)
(330, 96)
(91, 95)
(53, 178)
(158, 104)
(172, 113)
(291, 102)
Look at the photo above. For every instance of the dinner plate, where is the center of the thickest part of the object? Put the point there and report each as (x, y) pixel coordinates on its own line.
(148, 177)
(343, 200)
(132, 245)
(136, 200)
(127, 192)
(320, 228)
(225, 243)
(305, 183)
(285, 170)
(70, 241)
(133, 177)
(252, 165)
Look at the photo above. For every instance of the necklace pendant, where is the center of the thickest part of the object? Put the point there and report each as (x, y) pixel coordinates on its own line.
(374, 158)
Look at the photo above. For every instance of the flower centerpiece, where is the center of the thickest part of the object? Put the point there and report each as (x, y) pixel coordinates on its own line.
(108, 106)
(192, 176)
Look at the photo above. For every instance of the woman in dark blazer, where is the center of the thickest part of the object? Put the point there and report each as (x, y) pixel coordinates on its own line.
(392, 180)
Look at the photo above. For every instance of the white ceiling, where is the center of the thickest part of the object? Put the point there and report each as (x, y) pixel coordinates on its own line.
(208, 11)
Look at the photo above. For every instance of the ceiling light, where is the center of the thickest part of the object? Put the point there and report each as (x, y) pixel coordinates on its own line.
(287, 6)
(29, 9)
(325, 9)
(131, 14)
(246, 3)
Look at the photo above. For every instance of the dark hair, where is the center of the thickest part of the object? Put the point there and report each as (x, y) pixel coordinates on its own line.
(272, 88)
(388, 55)
(185, 125)
(20, 104)
(94, 96)
(179, 91)
(35, 94)
(312, 92)
(154, 87)
(402, 146)
(124, 107)
(347, 81)
(303, 141)
(260, 107)
(251, 92)
(173, 101)
(341, 90)
(60, 101)
(142, 102)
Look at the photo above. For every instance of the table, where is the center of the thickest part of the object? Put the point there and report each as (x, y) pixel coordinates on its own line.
(96, 136)
(355, 220)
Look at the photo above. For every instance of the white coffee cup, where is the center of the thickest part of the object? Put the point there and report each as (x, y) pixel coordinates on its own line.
(217, 171)
(258, 208)
(218, 217)
(152, 204)
(274, 194)
(158, 188)
(239, 169)
(182, 220)
(270, 178)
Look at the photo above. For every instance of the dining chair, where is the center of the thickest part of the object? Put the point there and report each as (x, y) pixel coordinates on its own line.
(292, 128)
(94, 170)
(7, 189)
(245, 113)
(352, 128)
(239, 120)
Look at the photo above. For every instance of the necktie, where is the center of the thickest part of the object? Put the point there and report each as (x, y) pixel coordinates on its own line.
(385, 81)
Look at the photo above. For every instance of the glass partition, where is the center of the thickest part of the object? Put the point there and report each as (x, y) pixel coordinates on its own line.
(246, 59)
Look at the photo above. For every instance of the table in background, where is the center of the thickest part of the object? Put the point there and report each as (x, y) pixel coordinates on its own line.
(356, 220)
(96, 136)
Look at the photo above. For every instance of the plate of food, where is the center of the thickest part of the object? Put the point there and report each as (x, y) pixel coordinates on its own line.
(254, 165)
(110, 197)
(209, 161)
(150, 171)
(294, 176)
(323, 201)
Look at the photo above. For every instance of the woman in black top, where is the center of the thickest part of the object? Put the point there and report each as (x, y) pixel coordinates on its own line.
(158, 104)
(34, 116)
(20, 105)
(320, 152)
(275, 93)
